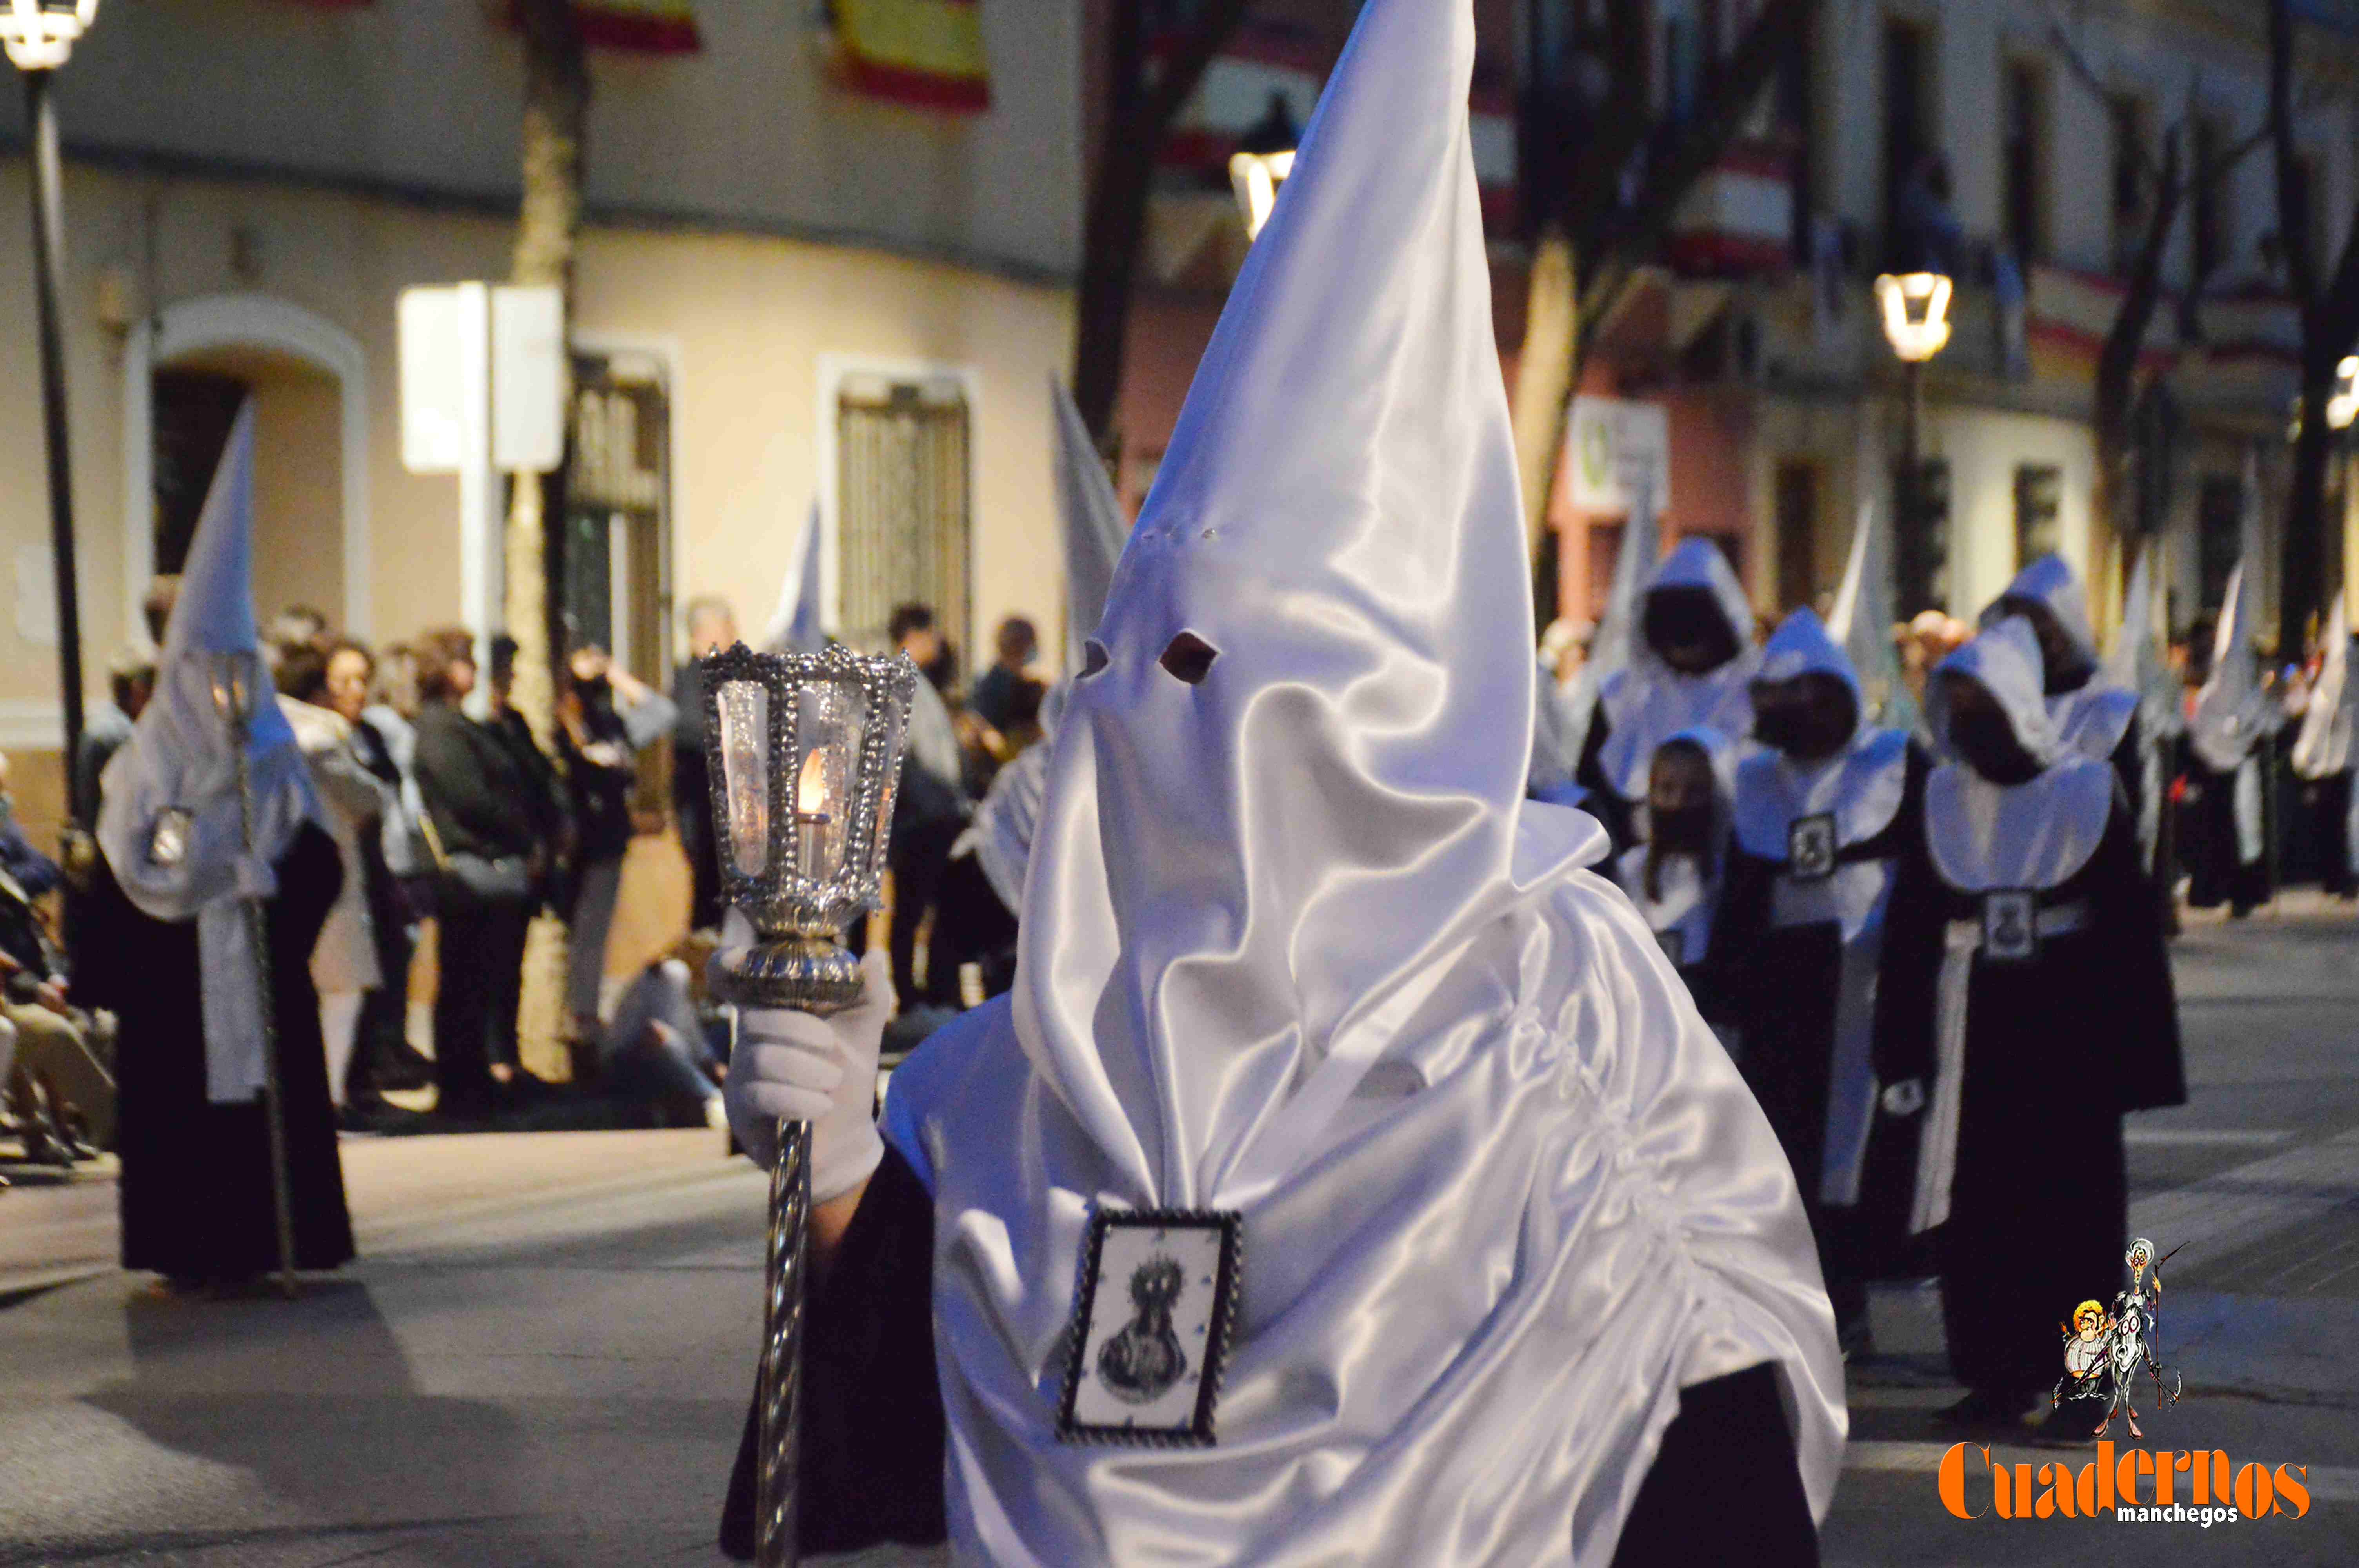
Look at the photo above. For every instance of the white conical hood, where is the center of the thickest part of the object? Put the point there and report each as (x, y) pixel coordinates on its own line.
(1861, 621)
(1635, 560)
(1095, 529)
(2231, 707)
(796, 626)
(1293, 945)
(180, 758)
(2323, 748)
(1337, 516)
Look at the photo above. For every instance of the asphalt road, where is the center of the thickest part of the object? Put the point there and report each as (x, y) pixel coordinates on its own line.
(544, 1355)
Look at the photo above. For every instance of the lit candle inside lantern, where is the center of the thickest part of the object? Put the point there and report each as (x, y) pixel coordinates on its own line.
(812, 800)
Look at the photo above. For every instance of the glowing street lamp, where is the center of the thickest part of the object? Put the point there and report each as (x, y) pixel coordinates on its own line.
(1265, 156)
(1916, 313)
(2342, 402)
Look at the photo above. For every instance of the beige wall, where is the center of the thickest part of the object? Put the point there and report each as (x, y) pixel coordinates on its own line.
(298, 546)
(745, 322)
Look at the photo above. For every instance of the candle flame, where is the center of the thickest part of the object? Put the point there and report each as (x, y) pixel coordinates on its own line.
(811, 793)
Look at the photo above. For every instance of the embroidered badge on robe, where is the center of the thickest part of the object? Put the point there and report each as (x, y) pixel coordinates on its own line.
(2010, 926)
(1811, 847)
(1151, 1323)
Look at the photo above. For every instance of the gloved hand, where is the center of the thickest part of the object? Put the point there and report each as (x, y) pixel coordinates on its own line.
(819, 1070)
(1906, 1098)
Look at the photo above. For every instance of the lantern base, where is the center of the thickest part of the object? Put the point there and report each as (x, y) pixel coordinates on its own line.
(812, 974)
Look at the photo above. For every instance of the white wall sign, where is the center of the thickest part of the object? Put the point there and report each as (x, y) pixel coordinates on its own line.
(433, 324)
(1615, 448)
(527, 380)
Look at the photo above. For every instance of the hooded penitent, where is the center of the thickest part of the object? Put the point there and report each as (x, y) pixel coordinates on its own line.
(1292, 946)
(1855, 794)
(1647, 701)
(2029, 836)
(169, 824)
(2233, 712)
(2093, 717)
(1678, 908)
(1093, 530)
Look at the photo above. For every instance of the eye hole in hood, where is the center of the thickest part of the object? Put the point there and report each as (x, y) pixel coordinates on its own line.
(1094, 658)
(1189, 658)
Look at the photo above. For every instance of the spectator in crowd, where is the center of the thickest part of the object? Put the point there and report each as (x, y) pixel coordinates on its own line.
(994, 696)
(397, 865)
(63, 1095)
(490, 855)
(344, 958)
(605, 717)
(929, 810)
(712, 626)
(659, 1061)
(296, 626)
(130, 679)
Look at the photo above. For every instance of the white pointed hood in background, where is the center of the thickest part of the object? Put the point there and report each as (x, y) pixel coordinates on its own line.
(179, 760)
(1563, 714)
(1860, 786)
(1647, 701)
(1984, 836)
(1861, 620)
(1294, 945)
(2323, 748)
(797, 626)
(1092, 527)
(2231, 708)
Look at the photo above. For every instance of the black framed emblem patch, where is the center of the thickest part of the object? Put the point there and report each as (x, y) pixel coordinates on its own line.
(1811, 847)
(2010, 926)
(1151, 1323)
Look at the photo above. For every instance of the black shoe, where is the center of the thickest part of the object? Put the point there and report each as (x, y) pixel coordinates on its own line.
(403, 1068)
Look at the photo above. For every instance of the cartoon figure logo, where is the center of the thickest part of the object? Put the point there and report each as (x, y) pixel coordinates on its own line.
(1141, 1363)
(2104, 1351)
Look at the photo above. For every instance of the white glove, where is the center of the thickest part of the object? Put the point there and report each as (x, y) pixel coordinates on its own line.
(793, 1065)
(1906, 1098)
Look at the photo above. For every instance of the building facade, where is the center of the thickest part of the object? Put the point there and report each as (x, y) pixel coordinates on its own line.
(792, 292)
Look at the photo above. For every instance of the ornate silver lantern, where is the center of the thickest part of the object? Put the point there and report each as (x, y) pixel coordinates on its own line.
(804, 752)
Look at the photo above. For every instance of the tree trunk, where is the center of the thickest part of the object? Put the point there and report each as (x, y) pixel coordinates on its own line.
(1116, 223)
(556, 104)
(1543, 379)
(2112, 506)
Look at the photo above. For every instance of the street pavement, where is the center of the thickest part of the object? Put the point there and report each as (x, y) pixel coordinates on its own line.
(544, 1355)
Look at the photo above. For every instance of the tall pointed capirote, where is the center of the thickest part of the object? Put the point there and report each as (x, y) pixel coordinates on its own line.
(1093, 526)
(797, 626)
(1861, 620)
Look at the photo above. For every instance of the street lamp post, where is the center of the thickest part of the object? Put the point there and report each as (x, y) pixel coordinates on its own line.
(1916, 309)
(40, 34)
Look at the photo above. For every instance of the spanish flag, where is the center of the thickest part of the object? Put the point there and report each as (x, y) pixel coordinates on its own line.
(928, 53)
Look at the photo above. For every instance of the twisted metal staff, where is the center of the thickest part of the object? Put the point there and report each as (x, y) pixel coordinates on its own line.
(233, 696)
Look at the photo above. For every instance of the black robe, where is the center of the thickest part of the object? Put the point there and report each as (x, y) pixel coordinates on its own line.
(1780, 985)
(2057, 1046)
(195, 1190)
(873, 1439)
(2216, 870)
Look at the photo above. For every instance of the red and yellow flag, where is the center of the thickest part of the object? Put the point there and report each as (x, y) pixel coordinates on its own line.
(928, 53)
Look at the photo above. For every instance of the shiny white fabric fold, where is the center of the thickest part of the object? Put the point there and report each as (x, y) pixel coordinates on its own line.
(2323, 747)
(1293, 945)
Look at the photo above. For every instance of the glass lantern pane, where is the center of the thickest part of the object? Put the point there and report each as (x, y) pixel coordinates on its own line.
(746, 772)
(895, 719)
(830, 720)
